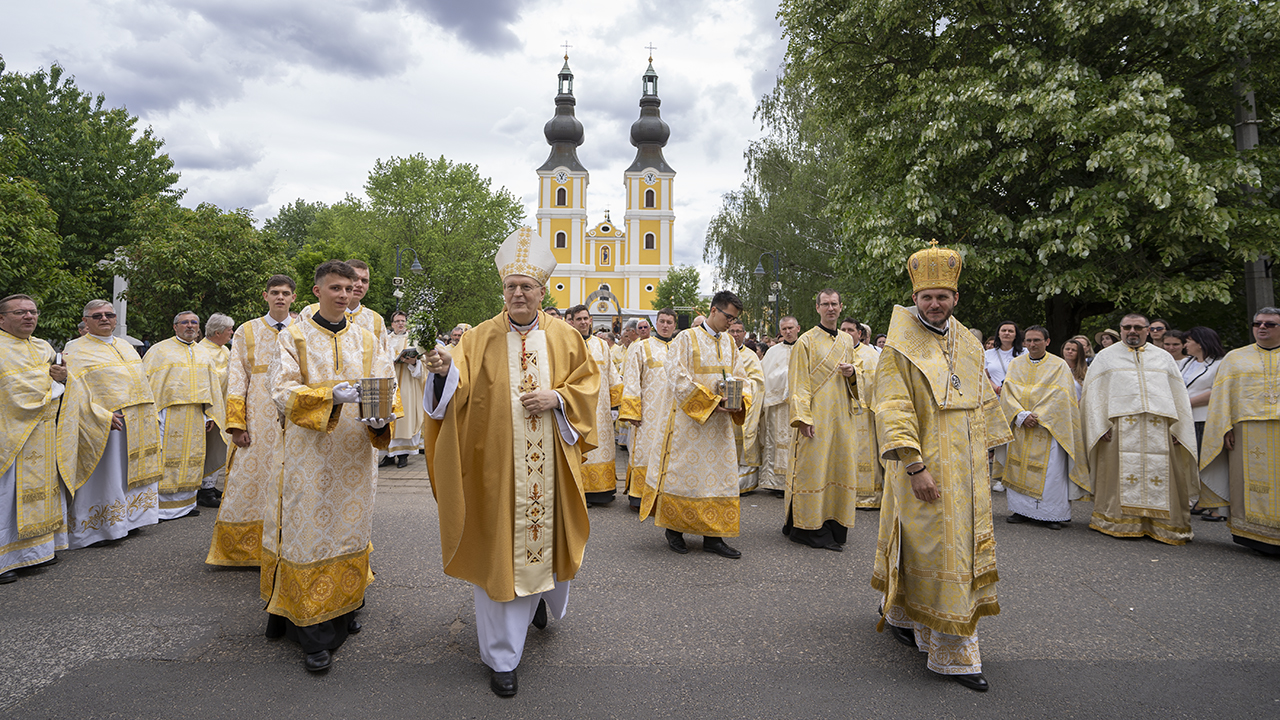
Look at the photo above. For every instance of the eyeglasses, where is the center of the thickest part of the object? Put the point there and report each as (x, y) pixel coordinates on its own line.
(525, 288)
(829, 304)
(1157, 328)
(642, 327)
(102, 316)
(186, 322)
(36, 313)
(1265, 324)
(1133, 328)
(722, 312)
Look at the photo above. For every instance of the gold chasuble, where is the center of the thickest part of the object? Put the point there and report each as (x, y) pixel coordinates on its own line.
(1047, 389)
(692, 482)
(187, 388)
(512, 508)
(644, 398)
(746, 436)
(1246, 401)
(836, 471)
(599, 473)
(104, 378)
(1142, 481)
(251, 471)
(28, 437)
(319, 515)
(936, 562)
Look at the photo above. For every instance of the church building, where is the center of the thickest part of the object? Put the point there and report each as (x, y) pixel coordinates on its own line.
(613, 268)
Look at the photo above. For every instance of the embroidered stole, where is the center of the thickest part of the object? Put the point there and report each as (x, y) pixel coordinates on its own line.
(533, 449)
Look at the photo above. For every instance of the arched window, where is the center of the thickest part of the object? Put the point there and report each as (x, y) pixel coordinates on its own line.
(562, 240)
(649, 241)
(649, 198)
(604, 287)
(604, 255)
(562, 197)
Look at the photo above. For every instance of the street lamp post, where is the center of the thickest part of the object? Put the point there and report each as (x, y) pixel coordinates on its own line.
(398, 282)
(774, 287)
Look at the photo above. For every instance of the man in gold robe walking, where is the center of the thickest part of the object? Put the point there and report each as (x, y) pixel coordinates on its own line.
(644, 399)
(599, 469)
(513, 519)
(939, 417)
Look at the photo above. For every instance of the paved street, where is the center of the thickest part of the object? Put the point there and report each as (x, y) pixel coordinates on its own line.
(1091, 627)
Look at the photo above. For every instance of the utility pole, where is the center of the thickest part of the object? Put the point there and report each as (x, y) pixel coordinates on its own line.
(1259, 289)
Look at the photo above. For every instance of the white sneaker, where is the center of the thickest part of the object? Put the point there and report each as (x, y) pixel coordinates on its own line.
(998, 487)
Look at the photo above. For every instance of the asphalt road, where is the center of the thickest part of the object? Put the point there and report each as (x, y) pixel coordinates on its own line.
(1091, 626)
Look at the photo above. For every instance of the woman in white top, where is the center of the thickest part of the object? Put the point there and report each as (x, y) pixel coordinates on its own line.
(1074, 353)
(1008, 346)
(1200, 367)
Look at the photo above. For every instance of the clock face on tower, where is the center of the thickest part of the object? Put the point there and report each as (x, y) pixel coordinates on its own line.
(562, 177)
(650, 178)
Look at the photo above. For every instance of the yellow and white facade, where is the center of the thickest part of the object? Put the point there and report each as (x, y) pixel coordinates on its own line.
(612, 268)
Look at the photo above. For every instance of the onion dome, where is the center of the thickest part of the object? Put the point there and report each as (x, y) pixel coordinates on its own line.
(564, 131)
(649, 134)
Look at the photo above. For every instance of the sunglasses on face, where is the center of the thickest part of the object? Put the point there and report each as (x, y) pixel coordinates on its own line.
(102, 316)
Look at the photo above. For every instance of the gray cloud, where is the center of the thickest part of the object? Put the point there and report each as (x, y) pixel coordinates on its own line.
(483, 24)
(192, 148)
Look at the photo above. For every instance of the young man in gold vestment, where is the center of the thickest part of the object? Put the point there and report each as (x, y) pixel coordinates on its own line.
(254, 427)
(319, 519)
(644, 388)
(599, 470)
(513, 518)
(692, 482)
(32, 509)
(775, 418)
(746, 437)
(1244, 423)
(938, 419)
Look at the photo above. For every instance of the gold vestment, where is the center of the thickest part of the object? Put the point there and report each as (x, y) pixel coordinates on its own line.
(644, 398)
(29, 434)
(185, 384)
(1046, 389)
(599, 472)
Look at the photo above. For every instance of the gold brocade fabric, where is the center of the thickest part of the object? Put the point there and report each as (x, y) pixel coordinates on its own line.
(475, 491)
(221, 360)
(102, 378)
(644, 398)
(1046, 389)
(836, 469)
(29, 433)
(185, 384)
(319, 514)
(1254, 474)
(1140, 397)
(1246, 388)
(533, 438)
(251, 471)
(599, 471)
(747, 435)
(691, 483)
(410, 391)
(936, 560)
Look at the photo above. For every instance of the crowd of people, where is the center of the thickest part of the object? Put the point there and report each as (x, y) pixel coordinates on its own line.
(520, 419)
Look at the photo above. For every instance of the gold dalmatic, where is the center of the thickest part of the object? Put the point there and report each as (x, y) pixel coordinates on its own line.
(532, 441)
(28, 433)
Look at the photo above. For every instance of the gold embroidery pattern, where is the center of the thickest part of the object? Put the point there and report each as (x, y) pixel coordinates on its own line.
(699, 516)
(104, 516)
(310, 593)
(599, 477)
(236, 544)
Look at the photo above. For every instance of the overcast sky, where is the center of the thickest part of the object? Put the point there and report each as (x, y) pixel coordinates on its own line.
(261, 102)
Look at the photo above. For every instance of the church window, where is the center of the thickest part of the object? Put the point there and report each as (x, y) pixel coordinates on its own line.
(648, 288)
(559, 287)
(649, 241)
(604, 287)
(562, 197)
(604, 255)
(561, 240)
(649, 198)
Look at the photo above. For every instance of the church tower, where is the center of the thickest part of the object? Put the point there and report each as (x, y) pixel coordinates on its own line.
(562, 194)
(649, 218)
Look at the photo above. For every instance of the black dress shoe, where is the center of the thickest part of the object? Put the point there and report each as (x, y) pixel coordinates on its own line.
(675, 541)
(1015, 519)
(8, 576)
(47, 563)
(903, 635)
(973, 682)
(354, 627)
(387, 461)
(540, 615)
(205, 497)
(1054, 525)
(402, 461)
(317, 661)
(721, 548)
(503, 684)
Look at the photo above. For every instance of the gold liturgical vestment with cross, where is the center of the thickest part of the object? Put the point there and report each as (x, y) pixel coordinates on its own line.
(1047, 389)
(513, 515)
(644, 398)
(1246, 399)
(692, 481)
(319, 516)
(28, 436)
(599, 472)
(251, 471)
(835, 471)
(1142, 481)
(936, 561)
(185, 384)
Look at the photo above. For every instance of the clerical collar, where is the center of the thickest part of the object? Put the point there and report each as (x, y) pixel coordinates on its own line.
(663, 339)
(330, 326)
(184, 342)
(523, 328)
(1268, 349)
(827, 330)
(930, 326)
(353, 311)
(1036, 360)
(789, 342)
(710, 332)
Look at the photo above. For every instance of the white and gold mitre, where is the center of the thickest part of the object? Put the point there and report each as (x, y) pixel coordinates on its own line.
(934, 267)
(525, 252)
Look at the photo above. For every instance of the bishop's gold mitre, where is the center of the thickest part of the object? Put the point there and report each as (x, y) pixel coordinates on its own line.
(934, 267)
(525, 252)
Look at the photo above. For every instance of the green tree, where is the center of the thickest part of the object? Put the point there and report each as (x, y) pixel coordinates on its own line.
(679, 289)
(204, 260)
(292, 223)
(1079, 154)
(90, 161)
